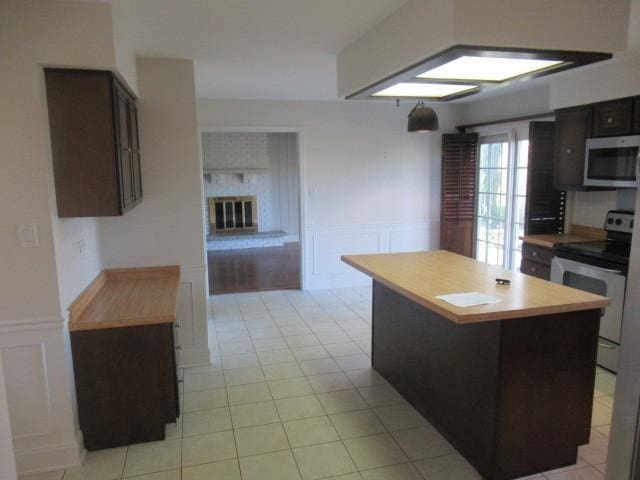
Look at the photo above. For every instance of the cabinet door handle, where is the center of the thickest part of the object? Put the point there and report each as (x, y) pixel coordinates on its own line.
(534, 254)
(568, 150)
(604, 345)
(533, 269)
(609, 120)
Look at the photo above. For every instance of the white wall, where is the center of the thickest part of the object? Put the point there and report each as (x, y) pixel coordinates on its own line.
(167, 228)
(368, 185)
(285, 183)
(37, 283)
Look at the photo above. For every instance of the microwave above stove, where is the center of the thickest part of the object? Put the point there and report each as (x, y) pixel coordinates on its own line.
(612, 162)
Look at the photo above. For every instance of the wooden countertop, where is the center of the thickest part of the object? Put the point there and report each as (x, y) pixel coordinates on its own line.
(421, 276)
(578, 234)
(126, 298)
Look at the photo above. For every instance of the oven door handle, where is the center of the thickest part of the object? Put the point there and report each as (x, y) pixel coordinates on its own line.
(607, 270)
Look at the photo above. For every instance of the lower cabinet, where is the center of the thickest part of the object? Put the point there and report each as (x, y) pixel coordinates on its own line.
(536, 261)
(126, 384)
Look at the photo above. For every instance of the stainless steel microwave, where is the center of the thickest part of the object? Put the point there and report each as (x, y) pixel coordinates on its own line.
(612, 162)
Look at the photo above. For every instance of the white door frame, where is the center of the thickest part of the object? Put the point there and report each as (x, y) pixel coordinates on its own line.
(299, 130)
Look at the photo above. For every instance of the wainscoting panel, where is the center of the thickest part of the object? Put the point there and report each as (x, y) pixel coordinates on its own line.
(39, 394)
(191, 315)
(325, 245)
(28, 394)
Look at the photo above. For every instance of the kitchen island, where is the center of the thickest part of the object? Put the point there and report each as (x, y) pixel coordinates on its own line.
(509, 384)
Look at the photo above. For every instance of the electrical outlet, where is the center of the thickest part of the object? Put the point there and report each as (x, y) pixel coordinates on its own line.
(80, 246)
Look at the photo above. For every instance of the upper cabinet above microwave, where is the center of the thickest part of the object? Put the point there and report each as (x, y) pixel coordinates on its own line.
(612, 118)
(94, 143)
(577, 124)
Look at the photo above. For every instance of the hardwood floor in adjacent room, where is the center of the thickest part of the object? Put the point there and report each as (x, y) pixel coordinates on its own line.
(254, 269)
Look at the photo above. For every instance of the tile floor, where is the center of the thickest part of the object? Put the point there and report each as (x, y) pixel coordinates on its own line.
(290, 395)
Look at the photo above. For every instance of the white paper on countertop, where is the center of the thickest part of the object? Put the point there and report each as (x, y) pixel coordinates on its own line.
(468, 299)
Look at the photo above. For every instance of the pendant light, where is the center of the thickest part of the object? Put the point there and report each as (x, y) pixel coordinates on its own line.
(422, 119)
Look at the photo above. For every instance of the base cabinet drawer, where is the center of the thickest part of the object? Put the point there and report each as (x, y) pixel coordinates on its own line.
(535, 269)
(536, 253)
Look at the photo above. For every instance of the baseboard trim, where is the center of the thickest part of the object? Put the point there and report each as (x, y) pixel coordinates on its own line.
(51, 458)
(194, 356)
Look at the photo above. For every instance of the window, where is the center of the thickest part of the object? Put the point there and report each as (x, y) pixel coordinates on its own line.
(502, 194)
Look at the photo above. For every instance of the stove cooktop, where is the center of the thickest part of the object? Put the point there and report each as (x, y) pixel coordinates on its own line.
(609, 250)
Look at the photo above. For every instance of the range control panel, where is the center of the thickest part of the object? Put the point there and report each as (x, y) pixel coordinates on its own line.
(619, 221)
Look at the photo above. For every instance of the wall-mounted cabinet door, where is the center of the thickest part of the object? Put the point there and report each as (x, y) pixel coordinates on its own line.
(636, 116)
(545, 207)
(573, 127)
(94, 143)
(135, 152)
(125, 154)
(612, 118)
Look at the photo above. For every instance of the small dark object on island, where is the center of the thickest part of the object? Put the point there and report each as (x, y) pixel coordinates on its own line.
(503, 281)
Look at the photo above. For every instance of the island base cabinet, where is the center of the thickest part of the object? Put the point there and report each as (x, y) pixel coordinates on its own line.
(126, 384)
(514, 397)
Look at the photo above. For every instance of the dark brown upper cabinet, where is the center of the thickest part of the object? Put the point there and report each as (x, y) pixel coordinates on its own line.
(94, 143)
(573, 126)
(612, 118)
(636, 116)
(545, 207)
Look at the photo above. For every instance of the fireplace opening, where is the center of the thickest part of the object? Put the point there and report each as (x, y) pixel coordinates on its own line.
(233, 214)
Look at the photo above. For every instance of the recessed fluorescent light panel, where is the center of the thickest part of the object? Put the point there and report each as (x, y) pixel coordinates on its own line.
(423, 90)
(489, 69)
(463, 70)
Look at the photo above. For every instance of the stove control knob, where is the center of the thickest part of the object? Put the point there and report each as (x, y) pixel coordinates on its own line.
(610, 221)
(618, 221)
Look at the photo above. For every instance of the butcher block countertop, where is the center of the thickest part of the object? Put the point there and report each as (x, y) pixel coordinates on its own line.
(578, 234)
(421, 276)
(127, 297)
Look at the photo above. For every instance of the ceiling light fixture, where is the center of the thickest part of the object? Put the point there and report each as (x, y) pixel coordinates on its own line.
(464, 70)
(422, 119)
(491, 69)
(424, 90)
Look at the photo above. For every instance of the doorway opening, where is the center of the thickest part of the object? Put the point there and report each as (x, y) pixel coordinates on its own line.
(252, 210)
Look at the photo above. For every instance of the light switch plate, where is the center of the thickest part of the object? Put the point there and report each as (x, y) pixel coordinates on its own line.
(28, 235)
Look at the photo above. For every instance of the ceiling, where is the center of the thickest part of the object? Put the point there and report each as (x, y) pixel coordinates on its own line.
(255, 49)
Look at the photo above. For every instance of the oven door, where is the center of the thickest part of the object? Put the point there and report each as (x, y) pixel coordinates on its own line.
(601, 281)
(612, 162)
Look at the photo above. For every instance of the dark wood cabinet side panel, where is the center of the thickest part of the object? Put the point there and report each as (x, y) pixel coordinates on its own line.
(125, 384)
(556, 354)
(82, 142)
(448, 372)
(573, 127)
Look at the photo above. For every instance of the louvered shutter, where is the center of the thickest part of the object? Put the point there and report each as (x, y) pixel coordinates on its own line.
(459, 163)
